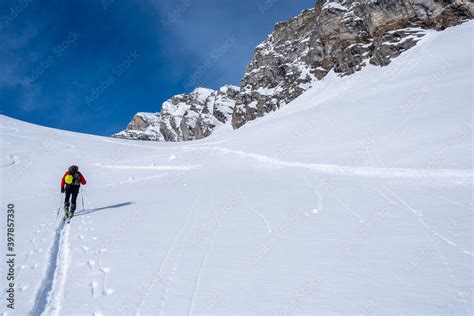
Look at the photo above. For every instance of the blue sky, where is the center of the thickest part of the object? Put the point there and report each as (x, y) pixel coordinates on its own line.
(89, 65)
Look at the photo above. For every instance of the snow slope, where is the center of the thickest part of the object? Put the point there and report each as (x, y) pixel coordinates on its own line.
(355, 198)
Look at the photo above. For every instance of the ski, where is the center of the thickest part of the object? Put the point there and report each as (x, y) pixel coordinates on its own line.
(67, 219)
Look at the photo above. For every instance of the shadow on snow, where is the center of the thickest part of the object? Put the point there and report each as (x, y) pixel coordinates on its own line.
(92, 210)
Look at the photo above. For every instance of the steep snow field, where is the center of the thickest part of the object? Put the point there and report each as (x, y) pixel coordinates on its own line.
(355, 198)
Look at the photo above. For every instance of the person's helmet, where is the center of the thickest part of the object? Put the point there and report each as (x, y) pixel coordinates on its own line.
(73, 169)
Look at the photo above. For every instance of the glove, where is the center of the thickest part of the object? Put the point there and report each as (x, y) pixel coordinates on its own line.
(62, 190)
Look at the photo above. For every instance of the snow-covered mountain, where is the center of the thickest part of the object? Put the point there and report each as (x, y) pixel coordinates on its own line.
(356, 198)
(185, 116)
(339, 36)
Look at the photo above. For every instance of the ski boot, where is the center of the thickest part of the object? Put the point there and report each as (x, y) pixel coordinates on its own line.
(66, 212)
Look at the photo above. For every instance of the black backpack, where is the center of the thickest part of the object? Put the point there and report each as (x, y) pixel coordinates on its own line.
(76, 177)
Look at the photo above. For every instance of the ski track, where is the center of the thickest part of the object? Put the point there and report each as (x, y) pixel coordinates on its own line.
(91, 187)
(182, 167)
(164, 297)
(269, 229)
(4, 129)
(50, 294)
(458, 175)
(154, 157)
(68, 146)
(203, 264)
(347, 208)
(42, 228)
(167, 257)
(428, 227)
(10, 160)
(443, 198)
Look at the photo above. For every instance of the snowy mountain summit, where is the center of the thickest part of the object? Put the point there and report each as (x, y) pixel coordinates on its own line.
(185, 116)
(339, 36)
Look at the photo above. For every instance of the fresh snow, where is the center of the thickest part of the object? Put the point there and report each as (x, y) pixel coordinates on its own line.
(334, 5)
(356, 198)
(202, 93)
(224, 89)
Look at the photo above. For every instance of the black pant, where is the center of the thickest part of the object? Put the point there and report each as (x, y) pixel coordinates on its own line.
(71, 193)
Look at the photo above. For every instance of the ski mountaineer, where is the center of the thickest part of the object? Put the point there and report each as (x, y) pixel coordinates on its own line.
(70, 183)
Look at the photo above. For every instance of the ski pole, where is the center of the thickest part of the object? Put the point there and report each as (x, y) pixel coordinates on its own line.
(82, 197)
(59, 204)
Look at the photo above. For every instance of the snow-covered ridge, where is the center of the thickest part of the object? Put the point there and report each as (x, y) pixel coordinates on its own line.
(185, 116)
(340, 36)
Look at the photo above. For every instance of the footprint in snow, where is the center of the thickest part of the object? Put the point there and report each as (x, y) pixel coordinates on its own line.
(91, 264)
(108, 291)
(94, 285)
(80, 237)
(85, 248)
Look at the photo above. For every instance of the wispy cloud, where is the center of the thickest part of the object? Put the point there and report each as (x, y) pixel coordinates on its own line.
(182, 44)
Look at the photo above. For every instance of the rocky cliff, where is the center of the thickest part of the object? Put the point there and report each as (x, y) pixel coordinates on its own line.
(340, 36)
(185, 116)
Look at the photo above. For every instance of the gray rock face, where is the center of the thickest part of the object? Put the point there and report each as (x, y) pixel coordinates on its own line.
(341, 36)
(184, 117)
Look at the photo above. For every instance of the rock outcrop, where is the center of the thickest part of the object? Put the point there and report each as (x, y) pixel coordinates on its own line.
(184, 117)
(342, 36)
(339, 36)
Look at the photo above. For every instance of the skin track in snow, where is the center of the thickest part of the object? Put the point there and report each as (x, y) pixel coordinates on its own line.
(48, 299)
